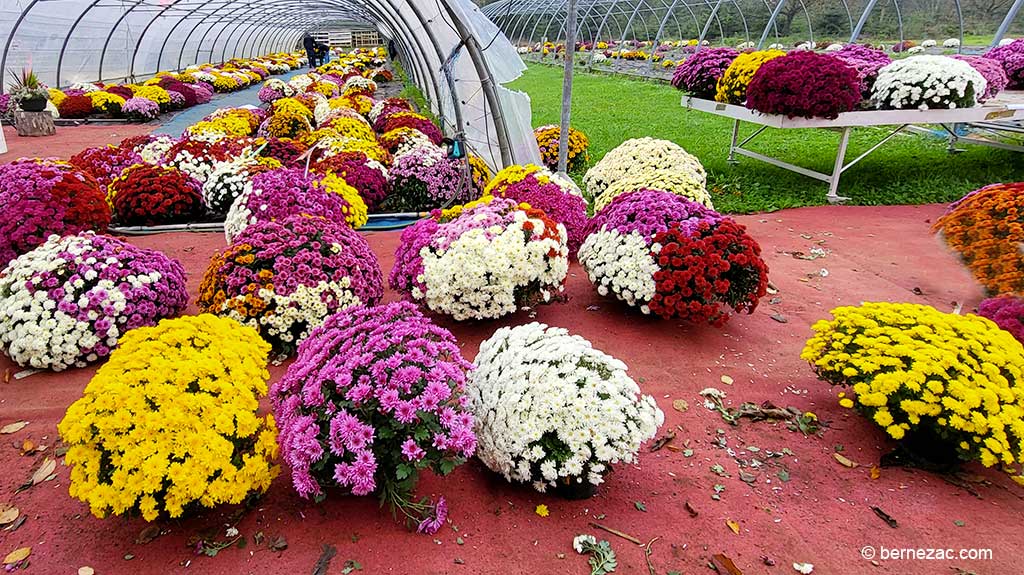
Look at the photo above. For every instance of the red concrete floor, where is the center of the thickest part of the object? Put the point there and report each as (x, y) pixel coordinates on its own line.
(822, 515)
(69, 140)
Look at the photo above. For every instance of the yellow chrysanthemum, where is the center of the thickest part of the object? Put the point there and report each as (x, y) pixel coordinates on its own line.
(171, 421)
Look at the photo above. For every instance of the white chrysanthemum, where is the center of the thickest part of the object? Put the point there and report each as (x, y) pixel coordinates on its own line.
(620, 264)
(646, 163)
(153, 153)
(552, 410)
(227, 181)
(951, 43)
(359, 82)
(833, 47)
(84, 86)
(929, 44)
(479, 274)
(927, 82)
(306, 307)
(745, 45)
(915, 49)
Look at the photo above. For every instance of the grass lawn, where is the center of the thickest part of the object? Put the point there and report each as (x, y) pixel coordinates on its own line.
(909, 169)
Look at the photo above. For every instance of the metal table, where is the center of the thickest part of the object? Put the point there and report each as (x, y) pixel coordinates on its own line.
(844, 124)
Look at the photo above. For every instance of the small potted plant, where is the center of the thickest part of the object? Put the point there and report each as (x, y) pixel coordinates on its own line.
(30, 94)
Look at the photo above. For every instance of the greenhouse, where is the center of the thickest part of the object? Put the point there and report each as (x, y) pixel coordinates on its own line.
(587, 286)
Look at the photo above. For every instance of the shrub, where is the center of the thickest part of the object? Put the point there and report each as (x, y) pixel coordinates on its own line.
(548, 141)
(698, 74)
(170, 422)
(646, 163)
(1011, 57)
(805, 84)
(927, 82)
(145, 195)
(75, 107)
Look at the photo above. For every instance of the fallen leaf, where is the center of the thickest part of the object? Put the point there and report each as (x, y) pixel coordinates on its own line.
(128, 557)
(885, 517)
(86, 571)
(662, 441)
(772, 290)
(13, 427)
(767, 561)
(148, 534)
(726, 380)
(876, 472)
(844, 461)
(278, 543)
(783, 475)
(775, 300)
(917, 291)
(8, 513)
(734, 526)
(640, 506)
(689, 509)
(28, 447)
(17, 523)
(805, 568)
(350, 566)
(680, 405)
(324, 562)
(959, 523)
(779, 318)
(18, 555)
(747, 477)
(724, 565)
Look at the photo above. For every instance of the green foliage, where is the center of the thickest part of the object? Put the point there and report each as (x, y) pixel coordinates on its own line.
(909, 169)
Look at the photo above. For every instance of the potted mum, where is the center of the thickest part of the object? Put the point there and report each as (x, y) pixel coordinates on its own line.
(30, 94)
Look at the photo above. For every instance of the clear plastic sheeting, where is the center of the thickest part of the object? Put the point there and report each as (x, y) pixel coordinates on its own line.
(448, 47)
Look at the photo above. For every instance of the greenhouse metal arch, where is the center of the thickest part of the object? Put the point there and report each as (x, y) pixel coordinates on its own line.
(449, 49)
(530, 22)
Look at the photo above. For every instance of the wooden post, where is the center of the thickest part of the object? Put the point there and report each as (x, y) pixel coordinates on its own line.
(34, 123)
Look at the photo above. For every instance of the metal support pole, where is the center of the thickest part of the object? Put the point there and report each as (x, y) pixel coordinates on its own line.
(771, 21)
(833, 183)
(1005, 24)
(863, 20)
(570, 62)
(732, 147)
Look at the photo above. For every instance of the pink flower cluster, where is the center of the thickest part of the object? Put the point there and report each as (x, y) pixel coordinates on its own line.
(408, 263)
(649, 212)
(567, 209)
(866, 60)
(375, 395)
(699, 74)
(804, 84)
(423, 180)
(280, 193)
(105, 162)
(43, 197)
(1007, 311)
(1011, 57)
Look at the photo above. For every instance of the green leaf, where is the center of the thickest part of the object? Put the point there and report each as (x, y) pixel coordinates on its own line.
(459, 541)
(640, 506)
(402, 471)
(687, 453)
(350, 566)
(959, 523)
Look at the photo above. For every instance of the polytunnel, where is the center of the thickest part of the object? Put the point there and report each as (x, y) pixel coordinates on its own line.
(457, 57)
(758, 22)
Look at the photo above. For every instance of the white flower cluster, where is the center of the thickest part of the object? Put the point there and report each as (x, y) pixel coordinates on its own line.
(84, 86)
(951, 43)
(745, 45)
(377, 108)
(198, 168)
(414, 140)
(523, 50)
(322, 109)
(804, 46)
(776, 46)
(599, 57)
(646, 163)
(153, 153)
(480, 273)
(915, 50)
(292, 317)
(359, 82)
(1006, 41)
(833, 47)
(35, 332)
(927, 82)
(279, 85)
(301, 82)
(204, 76)
(239, 215)
(227, 181)
(277, 68)
(929, 44)
(553, 410)
(620, 264)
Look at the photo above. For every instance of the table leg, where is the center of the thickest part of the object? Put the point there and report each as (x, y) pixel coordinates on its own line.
(732, 146)
(837, 170)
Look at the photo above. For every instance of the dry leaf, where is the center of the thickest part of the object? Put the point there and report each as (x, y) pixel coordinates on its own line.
(18, 555)
(885, 517)
(663, 441)
(680, 405)
(734, 526)
(13, 427)
(724, 565)
(44, 471)
(690, 509)
(875, 472)
(8, 514)
(86, 571)
(726, 380)
(148, 534)
(843, 460)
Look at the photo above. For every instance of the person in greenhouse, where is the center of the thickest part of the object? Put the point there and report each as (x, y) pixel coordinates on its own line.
(310, 45)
